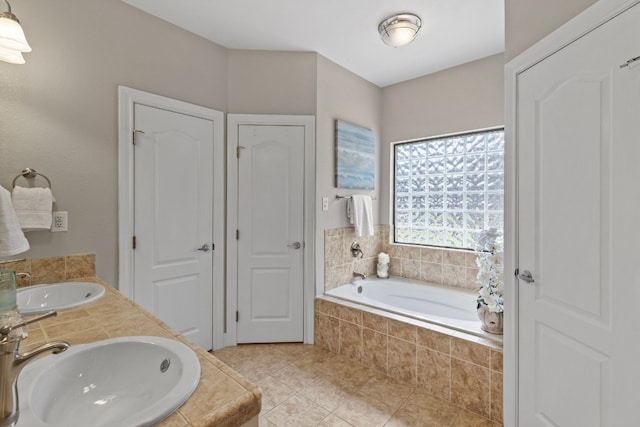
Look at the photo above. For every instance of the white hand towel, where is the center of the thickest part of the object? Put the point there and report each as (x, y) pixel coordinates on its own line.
(33, 207)
(12, 240)
(362, 215)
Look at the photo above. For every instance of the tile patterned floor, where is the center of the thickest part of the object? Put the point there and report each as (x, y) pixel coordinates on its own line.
(304, 385)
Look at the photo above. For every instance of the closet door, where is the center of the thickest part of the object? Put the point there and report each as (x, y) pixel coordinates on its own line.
(578, 143)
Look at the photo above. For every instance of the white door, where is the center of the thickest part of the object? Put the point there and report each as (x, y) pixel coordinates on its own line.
(270, 233)
(578, 231)
(173, 210)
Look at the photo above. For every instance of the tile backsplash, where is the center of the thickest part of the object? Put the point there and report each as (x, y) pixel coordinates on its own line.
(53, 269)
(436, 265)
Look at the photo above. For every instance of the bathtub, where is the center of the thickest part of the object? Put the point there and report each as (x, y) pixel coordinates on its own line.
(447, 306)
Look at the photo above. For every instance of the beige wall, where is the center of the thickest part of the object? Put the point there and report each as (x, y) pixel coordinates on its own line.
(270, 82)
(342, 95)
(528, 21)
(466, 97)
(59, 110)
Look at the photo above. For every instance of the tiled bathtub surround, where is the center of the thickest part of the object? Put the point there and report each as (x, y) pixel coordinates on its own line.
(463, 369)
(53, 269)
(443, 266)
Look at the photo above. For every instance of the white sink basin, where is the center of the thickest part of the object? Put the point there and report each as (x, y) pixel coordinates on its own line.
(129, 381)
(56, 296)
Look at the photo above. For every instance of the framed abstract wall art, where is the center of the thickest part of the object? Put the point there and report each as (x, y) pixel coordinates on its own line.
(355, 156)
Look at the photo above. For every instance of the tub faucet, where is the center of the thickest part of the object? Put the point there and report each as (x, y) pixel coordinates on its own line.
(360, 275)
(12, 362)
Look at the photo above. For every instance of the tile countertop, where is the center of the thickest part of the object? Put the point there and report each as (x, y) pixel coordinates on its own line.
(222, 398)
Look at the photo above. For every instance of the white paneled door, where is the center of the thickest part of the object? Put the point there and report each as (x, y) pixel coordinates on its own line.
(270, 233)
(173, 220)
(578, 132)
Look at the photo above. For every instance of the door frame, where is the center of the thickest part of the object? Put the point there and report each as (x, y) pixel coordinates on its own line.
(596, 15)
(127, 98)
(233, 122)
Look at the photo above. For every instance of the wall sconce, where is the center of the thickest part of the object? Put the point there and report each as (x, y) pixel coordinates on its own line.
(399, 30)
(12, 39)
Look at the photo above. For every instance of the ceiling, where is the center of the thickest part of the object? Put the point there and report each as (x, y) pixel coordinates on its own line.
(346, 31)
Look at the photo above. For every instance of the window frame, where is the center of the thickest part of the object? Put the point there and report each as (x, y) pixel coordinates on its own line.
(394, 186)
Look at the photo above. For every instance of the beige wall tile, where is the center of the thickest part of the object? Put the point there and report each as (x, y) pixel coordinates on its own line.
(454, 257)
(374, 354)
(496, 360)
(327, 332)
(411, 269)
(431, 255)
(431, 272)
(395, 267)
(434, 340)
(349, 314)
(470, 387)
(472, 274)
(375, 322)
(402, 360)
(22, 266)
(471, 259)
(47, 270)
(470, 352)
(454, 275)
(326, 307)
(403, 331)
(496, 396)
(434, 372)
(332, 250)
(81, 265)
(351, 340)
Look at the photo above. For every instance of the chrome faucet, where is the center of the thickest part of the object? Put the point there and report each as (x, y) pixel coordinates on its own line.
(360, 275)
(12, 362)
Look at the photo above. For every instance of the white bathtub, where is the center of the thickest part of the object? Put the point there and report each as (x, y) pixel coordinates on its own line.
(441, 305)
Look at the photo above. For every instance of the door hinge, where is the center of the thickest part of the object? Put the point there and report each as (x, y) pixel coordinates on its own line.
(213, 246)
(133, 135)
(237, 316)
(238, 148)
(134, 242)
(237, 234)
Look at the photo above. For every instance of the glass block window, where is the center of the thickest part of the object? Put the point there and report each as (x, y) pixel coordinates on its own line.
(447, 189)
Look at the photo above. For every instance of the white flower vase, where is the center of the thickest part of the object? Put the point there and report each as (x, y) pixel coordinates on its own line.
(382, 270)
(490, 321)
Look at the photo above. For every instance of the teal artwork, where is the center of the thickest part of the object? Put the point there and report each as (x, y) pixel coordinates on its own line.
(355, 156)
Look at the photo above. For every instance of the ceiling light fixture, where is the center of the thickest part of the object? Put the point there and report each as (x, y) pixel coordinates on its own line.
(12, 39)
(400, 29)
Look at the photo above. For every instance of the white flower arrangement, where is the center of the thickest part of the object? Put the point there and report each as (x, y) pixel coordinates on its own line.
(489, 254)
(383, 258)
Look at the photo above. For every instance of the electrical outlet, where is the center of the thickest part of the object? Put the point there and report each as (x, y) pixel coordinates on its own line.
(60, 222)
(325, 203)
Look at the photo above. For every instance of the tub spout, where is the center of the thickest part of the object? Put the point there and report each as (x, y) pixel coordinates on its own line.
(360, 275)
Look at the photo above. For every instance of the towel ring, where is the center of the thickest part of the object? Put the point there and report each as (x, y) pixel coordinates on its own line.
(29, 173)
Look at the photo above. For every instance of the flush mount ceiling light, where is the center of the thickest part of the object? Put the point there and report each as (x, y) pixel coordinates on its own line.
(12, 39)
(399, 30)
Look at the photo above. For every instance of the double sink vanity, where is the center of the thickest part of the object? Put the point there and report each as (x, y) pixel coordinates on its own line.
(124, 366)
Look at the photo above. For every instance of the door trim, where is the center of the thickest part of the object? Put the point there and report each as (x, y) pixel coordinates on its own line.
(593, 17)
(233, 122)
(127, 97)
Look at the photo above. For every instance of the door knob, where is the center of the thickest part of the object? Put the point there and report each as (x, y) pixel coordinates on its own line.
(295, 245)
(525, 275)
(204, 248)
